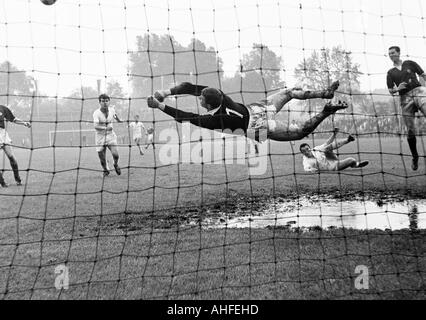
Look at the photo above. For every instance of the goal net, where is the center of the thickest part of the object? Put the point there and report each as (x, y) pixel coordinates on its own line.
(62, 138)
(193, 213)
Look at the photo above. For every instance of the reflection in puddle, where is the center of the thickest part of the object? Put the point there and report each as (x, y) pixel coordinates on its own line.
(413, 217)
(326, 213)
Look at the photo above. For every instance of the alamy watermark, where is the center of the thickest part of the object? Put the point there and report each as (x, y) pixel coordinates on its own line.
(232, 147)
(362, 280)
(62, 280)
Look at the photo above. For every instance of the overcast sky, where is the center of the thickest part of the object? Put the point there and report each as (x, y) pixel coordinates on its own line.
(84, 40)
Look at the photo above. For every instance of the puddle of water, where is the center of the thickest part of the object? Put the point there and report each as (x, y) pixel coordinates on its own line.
(306, 213)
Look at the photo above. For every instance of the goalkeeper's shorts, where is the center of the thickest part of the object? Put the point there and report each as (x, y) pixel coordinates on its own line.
(4, 138)
(105, 140)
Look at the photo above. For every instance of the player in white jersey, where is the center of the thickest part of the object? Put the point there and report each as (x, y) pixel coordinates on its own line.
(105, 135)
(149, 137)
(5, 142)
(322, 158)
(138, 128)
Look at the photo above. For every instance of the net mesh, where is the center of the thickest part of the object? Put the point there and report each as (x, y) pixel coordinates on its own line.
(195, 213)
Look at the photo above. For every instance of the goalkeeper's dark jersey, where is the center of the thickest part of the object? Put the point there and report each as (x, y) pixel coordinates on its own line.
(407, 74)
(229, 116)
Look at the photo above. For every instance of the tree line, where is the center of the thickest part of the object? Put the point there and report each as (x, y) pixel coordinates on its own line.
(160, 61)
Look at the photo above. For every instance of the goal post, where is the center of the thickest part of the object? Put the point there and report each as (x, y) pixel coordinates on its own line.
(71, 138)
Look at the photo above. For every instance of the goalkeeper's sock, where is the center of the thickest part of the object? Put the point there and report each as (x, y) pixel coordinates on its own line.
(412, 142)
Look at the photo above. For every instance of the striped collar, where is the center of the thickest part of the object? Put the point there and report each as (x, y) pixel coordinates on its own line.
(228, 111)
(213, 111)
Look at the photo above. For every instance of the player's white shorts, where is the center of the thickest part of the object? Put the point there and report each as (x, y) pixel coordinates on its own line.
(104, 140)
(149, 138)
(137, 139)
(4, 138)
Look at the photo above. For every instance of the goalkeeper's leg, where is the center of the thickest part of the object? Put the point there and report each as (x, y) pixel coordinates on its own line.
(281, 98)
(279, 131)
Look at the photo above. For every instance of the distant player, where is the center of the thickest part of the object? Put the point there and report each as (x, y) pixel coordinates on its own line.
(5, 142)
(138, 128)
(105, 135)
(149, 138)
(323, 158)
(402, 79)
(225, 114)
(293, 126)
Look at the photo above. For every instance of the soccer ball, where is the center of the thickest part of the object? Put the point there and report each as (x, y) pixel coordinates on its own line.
(48, 2)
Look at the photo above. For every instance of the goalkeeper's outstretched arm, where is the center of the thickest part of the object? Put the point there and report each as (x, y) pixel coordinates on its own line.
(183, 88)
(216, 121)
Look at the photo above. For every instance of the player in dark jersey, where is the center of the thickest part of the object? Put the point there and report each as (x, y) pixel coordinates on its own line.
(225, 114)
(7, 115)
(402, 79)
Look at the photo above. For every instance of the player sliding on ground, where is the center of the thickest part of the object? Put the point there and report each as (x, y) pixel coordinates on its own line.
(105, 135)
(5, 142)
(225, 114)
(323, 158)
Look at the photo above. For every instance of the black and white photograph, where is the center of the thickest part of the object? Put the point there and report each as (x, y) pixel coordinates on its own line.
(211, 150)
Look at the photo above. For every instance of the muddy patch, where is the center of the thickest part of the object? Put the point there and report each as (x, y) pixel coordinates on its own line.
(321, 212)
(308, 212)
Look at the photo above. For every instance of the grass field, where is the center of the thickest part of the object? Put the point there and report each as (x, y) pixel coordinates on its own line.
(126, 236)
